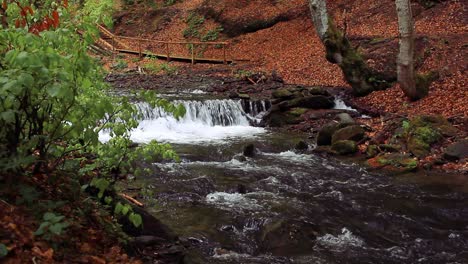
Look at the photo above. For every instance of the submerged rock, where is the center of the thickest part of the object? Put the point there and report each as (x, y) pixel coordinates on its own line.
(301, 146)
(249, 151)
(457, 151)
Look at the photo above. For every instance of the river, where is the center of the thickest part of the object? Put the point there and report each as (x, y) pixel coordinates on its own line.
(283, 206)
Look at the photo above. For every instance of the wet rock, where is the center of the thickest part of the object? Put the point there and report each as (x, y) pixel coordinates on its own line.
(279, 119)
(372, 151)
(244, 96)
(345, 147)
(396, 162)
(345, 118)
(297, 111)
(457, 151)
(301, 146)
(240, 157)
(281, 236)
(390, 147)
(318, 91)
(324, 136)
(249, 151)
(354, 133)
(241, 188)
(311, 102)
(147, 240)
(282, 94)
(233, 95)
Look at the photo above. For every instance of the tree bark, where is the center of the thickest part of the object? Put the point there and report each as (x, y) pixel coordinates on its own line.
(405, 62)
(340, 51)
(318, 10)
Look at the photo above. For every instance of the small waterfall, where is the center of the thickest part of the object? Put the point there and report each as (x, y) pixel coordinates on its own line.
(205, 120)
(208, 112)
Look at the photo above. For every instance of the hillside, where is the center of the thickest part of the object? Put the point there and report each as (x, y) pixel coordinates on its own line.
(279, 35)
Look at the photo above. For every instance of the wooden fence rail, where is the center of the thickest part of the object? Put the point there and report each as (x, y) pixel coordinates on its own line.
(119, 46)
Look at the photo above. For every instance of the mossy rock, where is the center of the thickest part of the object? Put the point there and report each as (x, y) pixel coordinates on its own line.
(297, 111)
(372, 151)
(457, 151)
(395, 162)
(345, 147)
(279, 119)
(324, 136)
(244, 96)
(390, 147)
(312, 102)
(282, 94)
(318, 91)
(354, 133)
(436, 122)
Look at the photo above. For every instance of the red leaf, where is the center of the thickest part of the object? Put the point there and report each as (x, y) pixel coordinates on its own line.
(55, 15)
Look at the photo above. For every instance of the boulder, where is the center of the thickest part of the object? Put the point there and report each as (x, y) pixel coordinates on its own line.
(345, 118)
(249, 150)
(282, 94)
(457, 151)
(297, 111)
(345, 147)
(312, 102)
(324, 136)
(301, 146)
(354, 133)
(318, 91)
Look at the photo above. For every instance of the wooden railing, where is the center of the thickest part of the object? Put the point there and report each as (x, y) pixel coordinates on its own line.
(119, 44)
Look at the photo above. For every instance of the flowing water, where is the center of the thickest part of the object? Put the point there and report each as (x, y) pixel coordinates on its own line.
(286, 207)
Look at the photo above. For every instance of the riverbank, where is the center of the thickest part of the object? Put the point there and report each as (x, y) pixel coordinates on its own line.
(379, 125)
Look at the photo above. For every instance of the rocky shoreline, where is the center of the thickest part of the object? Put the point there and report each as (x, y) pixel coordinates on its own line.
(390, 142)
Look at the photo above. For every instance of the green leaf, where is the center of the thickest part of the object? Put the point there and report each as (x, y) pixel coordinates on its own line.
(118, 208)
(48, 216)
(126, 208)
(8, 116)
(3, 250)
(57, 228)
(108, 199)
(42, 228)
(135, 219)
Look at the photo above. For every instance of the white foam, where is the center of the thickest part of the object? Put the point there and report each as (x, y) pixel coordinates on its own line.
(340, 104)
(232, 201)
(344, 240)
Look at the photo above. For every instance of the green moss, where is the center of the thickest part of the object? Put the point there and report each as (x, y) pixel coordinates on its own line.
(297, 111)
(424, 81)
(400, 161)
(345, 147)
(340, 51)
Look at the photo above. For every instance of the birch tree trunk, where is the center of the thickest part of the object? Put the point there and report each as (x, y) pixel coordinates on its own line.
(405, 62)
(318, 10)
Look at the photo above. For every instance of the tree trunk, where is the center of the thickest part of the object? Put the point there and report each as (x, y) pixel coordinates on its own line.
(318, 10)
(340, 51)
(405, 62)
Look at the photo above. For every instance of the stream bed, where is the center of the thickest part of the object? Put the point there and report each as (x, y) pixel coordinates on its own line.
(282, 206)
